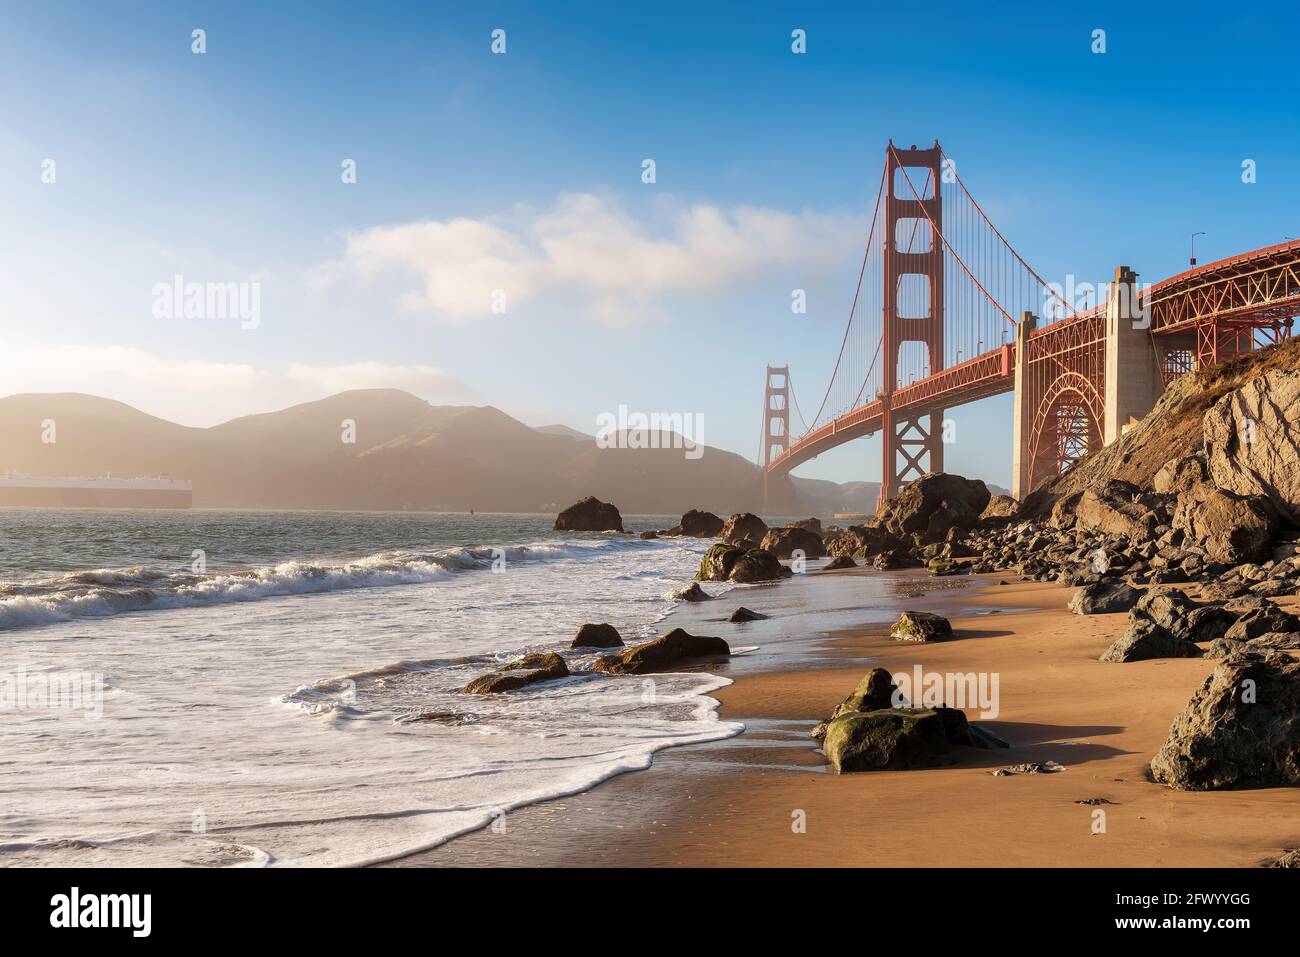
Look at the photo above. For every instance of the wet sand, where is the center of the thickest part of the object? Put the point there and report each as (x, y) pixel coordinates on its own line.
(739, 801)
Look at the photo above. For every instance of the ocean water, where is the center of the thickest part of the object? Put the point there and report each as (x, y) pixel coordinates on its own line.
(293, 698)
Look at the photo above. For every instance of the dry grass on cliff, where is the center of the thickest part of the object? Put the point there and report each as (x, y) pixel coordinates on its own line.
(1172, 429)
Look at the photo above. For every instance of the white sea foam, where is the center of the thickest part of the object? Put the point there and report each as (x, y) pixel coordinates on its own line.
(298, 713)
(100, 593)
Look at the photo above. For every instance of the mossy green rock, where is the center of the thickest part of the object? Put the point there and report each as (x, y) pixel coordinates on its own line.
(942, 566)
(921, 626)
(874, 693)
(739, 563)
(717, 561)
(889, 740)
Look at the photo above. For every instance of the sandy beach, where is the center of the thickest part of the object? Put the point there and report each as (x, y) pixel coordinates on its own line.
(738, 802)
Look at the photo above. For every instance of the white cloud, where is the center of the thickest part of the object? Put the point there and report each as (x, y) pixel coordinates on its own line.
(200, 393)
(591, 246)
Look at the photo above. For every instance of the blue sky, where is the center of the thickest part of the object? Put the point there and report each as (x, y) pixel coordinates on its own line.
(225, 167)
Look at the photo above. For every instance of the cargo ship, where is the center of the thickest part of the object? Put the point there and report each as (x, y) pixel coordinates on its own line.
(35, 491)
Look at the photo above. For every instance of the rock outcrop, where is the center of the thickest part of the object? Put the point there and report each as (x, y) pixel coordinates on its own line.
(662, 654)
(1241, 729)
(1000, 507)
(597, 636)
(933, 505)
(529, 670)
(1104, 598)
(887, 741)
(743, 528)
(813, 525)
(1116, 508)
(875, 729)
(1252, 441)
(862, 542)
(785, 542)
(693, 592)
(697, 524)
(921, 626)
(1260, 620)
(1231, 528)
(589, 515)
(1145, 640)
(873, 693)
(740, 563)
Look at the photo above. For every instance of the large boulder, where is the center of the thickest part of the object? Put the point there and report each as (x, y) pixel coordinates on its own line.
(528, 670)
(692, 592)
(1241, 729)
(1182, 474)
(1104, 598)
(1231, 528)
(921, 626)
(1224, 648)
(933, 505)
(1207, 623)
(1176, 613)
(807, 524)
(873, 693)
(784, 542)
(863, 541)
(839, 562)
(697, 524)
(1145, 640)
(1282, 640)
(1261, 621)
(743, 527)
(597, 636)
(739, 563)
(589, 515)
(1116, 508)
(662, 654)
(756, 565)
(1252, 441)
(1000, 507)
(892, 740)
(1169, 608)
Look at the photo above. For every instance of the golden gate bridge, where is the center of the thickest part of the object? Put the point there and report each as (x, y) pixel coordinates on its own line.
(946, 312)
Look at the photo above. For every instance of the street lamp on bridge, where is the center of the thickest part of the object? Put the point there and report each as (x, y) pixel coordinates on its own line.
(1194, 235)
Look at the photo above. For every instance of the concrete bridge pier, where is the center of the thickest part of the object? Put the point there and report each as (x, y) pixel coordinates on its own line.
(1022, 423)
(1133, 378)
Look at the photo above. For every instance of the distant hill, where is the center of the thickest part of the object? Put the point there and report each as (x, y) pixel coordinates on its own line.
(564, 430)
(387, 449)
(368, 449)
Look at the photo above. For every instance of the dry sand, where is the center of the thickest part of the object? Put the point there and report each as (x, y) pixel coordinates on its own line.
(736, 802)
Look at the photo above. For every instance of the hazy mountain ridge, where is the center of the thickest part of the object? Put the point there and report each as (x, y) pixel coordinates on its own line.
(404, 454)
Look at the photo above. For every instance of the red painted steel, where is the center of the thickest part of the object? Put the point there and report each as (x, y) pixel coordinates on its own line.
(1208, 313)
(902, 427)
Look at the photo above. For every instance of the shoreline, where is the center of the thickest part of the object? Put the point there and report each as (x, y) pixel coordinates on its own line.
(733, 802)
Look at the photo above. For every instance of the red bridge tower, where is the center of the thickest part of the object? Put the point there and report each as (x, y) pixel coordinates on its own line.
(913, 309)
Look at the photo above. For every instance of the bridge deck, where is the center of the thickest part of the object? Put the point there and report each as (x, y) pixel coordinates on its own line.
(1253, 288)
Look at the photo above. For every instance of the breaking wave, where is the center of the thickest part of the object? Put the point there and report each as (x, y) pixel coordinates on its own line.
(103, 592)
